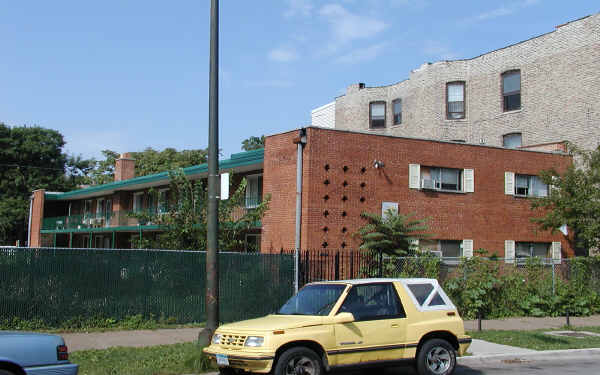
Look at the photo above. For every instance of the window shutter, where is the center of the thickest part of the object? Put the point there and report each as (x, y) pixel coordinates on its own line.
(414, 176)
(509, 251)
(225, 186)
(468, 248)
(556, 252)
(469, 180)
(509, 183)
(413, 244)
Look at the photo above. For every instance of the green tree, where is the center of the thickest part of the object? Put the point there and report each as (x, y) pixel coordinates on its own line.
(147, 162)
(573, 199)
(185, 220)
(391, 234)
(30, 158)
(253, 143)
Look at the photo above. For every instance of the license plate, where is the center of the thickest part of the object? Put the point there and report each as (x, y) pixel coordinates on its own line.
(222, 360)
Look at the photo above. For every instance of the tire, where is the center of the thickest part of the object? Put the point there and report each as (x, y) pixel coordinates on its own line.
(6, 372)
(436, 357)
(227, 371)
(298, 361)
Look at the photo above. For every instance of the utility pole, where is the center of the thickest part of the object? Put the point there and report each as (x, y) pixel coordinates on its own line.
(212, 264)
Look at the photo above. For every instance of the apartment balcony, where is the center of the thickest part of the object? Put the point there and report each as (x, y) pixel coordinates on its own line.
(123, 219)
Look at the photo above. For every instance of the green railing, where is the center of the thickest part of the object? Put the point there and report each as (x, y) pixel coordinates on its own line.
(122, 218)
(56, 285)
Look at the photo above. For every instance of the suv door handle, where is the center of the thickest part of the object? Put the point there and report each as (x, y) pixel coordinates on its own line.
(395, 325)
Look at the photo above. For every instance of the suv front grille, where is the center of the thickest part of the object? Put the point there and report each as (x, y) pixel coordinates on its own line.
(233, 340)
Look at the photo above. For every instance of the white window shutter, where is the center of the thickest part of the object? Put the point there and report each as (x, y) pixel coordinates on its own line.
(554, 184)
(467, 248)
(414, 176)
(413, 244)
(509, 183)
(469, 180)
(556, 252)
(225, 186)
(509, 251)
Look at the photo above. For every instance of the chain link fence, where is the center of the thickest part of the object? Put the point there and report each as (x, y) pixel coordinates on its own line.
(54, 285)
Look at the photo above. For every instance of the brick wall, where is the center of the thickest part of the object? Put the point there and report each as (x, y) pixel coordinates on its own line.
(37, 216)
(560, 100)
(487, 216)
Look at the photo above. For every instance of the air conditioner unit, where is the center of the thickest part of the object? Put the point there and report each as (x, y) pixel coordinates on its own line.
(437, 253)
(428, 184)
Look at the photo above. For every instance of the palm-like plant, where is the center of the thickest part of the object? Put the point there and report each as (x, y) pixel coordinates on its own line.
(391, 233)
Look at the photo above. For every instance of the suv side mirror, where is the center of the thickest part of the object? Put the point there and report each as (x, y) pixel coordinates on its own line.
(343, 317)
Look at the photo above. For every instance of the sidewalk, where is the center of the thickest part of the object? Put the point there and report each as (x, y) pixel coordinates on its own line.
(103, 340)
(529, 324)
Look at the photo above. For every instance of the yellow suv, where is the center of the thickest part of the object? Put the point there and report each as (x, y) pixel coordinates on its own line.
(348, 323)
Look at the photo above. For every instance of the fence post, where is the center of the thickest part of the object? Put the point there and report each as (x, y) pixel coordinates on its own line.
(553, 279)
(337, 265)
(380, 263)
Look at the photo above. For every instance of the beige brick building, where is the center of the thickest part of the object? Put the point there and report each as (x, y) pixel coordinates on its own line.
(541, 90)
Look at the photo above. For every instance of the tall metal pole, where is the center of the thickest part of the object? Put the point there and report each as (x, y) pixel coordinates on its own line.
(212, 265)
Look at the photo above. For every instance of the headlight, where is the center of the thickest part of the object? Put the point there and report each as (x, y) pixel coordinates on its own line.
(254, 341)
(216, 339)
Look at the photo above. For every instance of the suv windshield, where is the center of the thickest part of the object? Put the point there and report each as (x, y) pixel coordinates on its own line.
(315, 299)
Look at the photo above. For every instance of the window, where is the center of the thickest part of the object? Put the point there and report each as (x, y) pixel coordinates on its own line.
(163, 201)
(455, 100)
(397, 106)
(441, 178)
(532, 249)
(377, 115)
(253, 190)
(427, 295)
(530, 186)
(373, 301)
(252, 243)
(445, 248)
(450, 248)
(512, 140)
(511, 90)
(87, 209)
(100, 208)
(138, 202)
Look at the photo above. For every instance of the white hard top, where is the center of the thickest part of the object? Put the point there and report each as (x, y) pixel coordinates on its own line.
(378, 280)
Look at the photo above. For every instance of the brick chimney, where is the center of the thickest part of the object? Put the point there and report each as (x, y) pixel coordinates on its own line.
(124, 167)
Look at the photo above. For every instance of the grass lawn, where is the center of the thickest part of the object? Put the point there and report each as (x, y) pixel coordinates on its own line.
(155, 360)
(537, 340)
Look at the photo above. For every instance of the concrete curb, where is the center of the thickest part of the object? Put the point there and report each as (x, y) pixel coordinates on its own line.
(526, 357)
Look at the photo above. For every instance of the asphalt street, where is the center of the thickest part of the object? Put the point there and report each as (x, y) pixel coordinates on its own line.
(564, 366)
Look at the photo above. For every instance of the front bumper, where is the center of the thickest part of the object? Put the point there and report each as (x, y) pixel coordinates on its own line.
(64, 369)
(248, 361)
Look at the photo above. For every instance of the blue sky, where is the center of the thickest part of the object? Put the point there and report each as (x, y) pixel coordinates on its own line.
(126, 75)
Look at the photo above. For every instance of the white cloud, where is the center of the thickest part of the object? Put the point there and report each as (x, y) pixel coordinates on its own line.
(504, 10)
(347, 26)
(298, 7)
(419, 4)
(282, 54)
(273, 83)
(362, 54)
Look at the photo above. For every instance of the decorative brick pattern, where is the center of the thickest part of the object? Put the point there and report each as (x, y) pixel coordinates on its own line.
(331, 211)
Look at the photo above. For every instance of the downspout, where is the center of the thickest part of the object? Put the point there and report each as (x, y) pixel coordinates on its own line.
(300, 141)
(29, 225)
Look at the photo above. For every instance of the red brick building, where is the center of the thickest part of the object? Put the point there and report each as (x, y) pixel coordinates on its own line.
(474, 196)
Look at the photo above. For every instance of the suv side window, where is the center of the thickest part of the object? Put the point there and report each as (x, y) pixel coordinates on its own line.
(372, 302)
